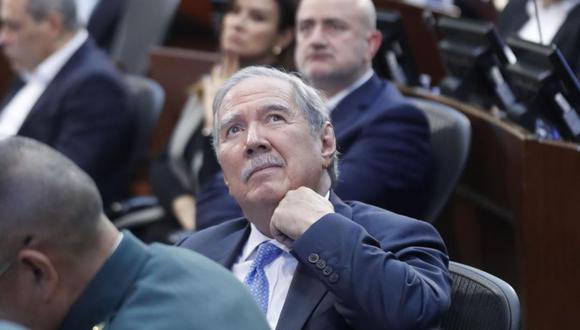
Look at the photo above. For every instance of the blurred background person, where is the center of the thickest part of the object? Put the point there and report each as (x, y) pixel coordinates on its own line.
(68, 94)
(254, 32)
(559, 22)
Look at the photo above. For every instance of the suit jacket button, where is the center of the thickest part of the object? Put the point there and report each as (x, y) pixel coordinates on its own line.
(313, 258)
(321, 264)
(327, 271)
(333, 278)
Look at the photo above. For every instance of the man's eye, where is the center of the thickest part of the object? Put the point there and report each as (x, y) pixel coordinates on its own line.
(233, 130)
(274, 118)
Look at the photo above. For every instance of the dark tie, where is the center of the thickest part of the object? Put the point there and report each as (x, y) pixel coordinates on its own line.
(256, 279)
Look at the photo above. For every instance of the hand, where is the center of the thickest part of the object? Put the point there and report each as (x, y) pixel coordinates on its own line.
(296, 212)
(183, 208)
(212, 82)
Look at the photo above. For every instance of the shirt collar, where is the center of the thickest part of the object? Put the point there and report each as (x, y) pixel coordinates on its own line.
(47, 70)
(332, 102)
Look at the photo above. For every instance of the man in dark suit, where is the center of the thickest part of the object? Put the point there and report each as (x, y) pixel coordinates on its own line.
(63, 265)
(311, 260)
(383, 140)
(68, 95)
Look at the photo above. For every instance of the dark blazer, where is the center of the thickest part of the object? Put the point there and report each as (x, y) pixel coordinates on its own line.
(385, 156)
(514, 16)
(162, 287)
(359, 268)
(385, 151)
(103, 22)
(83, 113)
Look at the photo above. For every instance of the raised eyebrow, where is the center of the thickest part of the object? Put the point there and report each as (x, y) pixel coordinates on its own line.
(275, 107)
(229, 118)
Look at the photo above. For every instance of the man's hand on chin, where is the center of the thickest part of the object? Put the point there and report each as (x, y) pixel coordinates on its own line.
(296, 212)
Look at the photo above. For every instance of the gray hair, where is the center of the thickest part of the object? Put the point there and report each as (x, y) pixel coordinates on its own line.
(306, 98)
(39, 10)
(45, 195)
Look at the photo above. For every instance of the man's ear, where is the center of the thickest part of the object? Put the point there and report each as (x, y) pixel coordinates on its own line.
(374, 39)
(285, 38)
(328, 147)
(39, 272)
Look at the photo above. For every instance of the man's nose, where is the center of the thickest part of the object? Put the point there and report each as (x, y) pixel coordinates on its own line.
(256, 141)
(318, 37)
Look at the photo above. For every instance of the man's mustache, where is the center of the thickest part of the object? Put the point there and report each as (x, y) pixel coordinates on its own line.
(259, 163)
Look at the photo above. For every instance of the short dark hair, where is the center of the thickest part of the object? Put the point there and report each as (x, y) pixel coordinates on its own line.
(39, 10)
(44, 194)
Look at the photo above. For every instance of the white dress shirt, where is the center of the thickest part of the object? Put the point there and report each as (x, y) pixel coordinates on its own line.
(279, 272)
(551, 18)
(332, 102)
(15, 112)
(85, 10)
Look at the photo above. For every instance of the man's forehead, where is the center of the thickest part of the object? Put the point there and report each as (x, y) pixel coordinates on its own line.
(258, 90)
(332, 9)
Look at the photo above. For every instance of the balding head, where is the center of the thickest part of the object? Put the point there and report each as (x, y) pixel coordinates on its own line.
(46, 196)
(324, 27)
(367, 13)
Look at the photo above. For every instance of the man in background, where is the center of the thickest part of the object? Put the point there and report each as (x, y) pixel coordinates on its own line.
(383, 140)
(68, 94)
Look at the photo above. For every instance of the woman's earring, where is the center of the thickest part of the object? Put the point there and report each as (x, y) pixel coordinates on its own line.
(277, 50)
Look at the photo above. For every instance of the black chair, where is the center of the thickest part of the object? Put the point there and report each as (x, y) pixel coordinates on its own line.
(146, 100)
(480, 301)
(450, 139)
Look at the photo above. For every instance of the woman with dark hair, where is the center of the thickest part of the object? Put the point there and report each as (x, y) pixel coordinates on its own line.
(253, 32)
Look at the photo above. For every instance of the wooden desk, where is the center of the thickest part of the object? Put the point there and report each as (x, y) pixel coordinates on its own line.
(516, 214)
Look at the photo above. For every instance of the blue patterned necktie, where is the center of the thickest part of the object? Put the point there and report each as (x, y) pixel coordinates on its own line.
(256, 279)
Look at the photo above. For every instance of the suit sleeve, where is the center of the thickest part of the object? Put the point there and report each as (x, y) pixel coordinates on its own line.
(96, 126)
(397, 279)
(392, 158)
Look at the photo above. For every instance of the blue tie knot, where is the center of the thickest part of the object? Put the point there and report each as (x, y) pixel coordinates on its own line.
(256, 279)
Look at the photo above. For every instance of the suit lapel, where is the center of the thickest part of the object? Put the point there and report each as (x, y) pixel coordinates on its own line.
(306, 290)
(229, 246)
(305, 293)
(349, 111)
(48, 102)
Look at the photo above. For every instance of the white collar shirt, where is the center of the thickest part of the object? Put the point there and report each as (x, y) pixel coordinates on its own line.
(279, 272)
(15, 112)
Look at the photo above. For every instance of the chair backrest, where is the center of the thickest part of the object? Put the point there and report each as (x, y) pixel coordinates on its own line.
(146, 99)
(143, 25)
(480, 301)
(450, 140)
